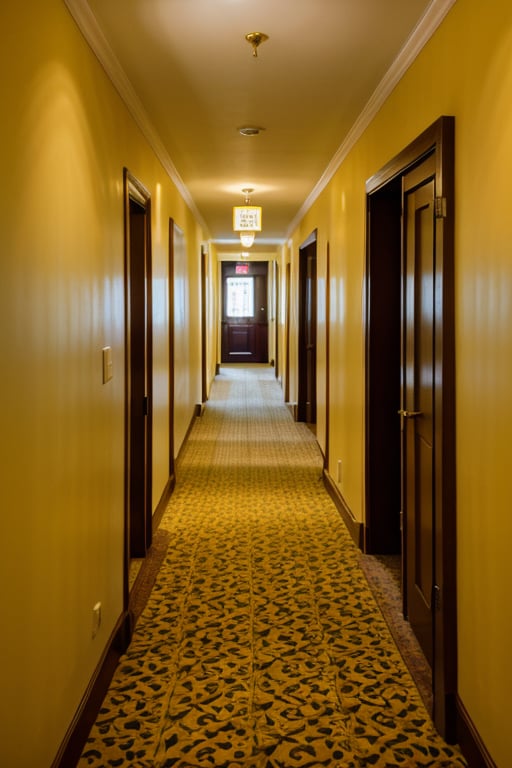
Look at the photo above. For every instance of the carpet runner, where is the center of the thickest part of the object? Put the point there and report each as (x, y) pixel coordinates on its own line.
(261, 644)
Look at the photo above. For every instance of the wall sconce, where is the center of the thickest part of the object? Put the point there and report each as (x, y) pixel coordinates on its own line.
(247, 220)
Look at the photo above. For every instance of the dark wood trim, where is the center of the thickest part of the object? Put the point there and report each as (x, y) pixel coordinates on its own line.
(469, 740)
(445, 636)
(412, 155)
(86, 714)
(354, 528)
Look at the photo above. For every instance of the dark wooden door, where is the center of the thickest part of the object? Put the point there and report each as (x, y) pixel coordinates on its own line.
(306, 406)
(244, 312)
(410, 459)
(138, 368)
(417, 407)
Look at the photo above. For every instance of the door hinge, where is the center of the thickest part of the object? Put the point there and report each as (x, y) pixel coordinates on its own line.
(145, 405)
(440, 207)
(437, 597)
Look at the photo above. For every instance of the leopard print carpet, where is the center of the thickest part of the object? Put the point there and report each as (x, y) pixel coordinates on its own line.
(261, 644)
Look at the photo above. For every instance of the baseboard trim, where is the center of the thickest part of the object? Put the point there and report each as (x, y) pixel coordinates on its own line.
(164, 501)
(470, 741)
(73, 744)
(355, 529)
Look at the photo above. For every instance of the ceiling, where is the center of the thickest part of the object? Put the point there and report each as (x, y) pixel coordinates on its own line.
(191, 80)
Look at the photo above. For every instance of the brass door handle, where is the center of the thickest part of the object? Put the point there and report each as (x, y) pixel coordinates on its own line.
(410, 414)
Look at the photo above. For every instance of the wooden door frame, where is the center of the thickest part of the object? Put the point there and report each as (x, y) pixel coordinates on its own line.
(438, 139)
(302, 370)
(135, 191)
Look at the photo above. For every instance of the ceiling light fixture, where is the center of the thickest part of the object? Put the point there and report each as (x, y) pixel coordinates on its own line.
(249, 130)
(247, 220)
(247, 239)
(255, 39)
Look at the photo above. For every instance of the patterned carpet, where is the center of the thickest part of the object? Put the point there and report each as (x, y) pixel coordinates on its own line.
(261, 644)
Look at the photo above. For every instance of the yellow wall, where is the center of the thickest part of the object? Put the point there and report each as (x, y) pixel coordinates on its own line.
(466, 71)
(65, 137)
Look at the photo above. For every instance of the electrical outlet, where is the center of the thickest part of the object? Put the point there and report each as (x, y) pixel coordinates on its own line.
(96, 619)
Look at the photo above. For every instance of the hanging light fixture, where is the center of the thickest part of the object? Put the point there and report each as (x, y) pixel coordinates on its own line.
(247, 239)
(247, 220)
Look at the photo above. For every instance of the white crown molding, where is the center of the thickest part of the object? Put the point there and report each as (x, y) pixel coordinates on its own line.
(421, 34)
(88, 25)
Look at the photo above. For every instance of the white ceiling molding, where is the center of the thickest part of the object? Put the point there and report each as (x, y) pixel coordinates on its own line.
(422, 33)
(88, 25)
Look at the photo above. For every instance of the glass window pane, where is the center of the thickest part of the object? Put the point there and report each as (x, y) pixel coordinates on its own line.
(240, 297)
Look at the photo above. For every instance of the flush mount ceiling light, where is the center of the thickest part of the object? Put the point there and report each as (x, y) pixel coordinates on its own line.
(255, 39)
(247, 220)
(249, 130)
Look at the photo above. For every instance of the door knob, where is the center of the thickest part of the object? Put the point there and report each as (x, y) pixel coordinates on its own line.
(410, 414)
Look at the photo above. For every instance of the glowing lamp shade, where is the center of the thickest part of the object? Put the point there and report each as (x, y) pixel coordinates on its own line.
(247, 239)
